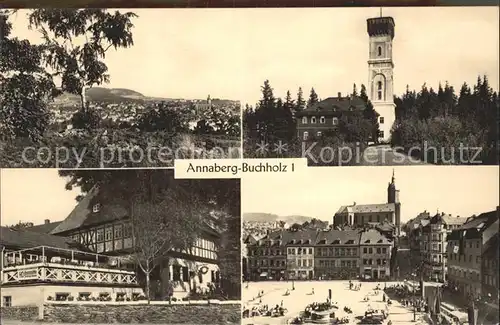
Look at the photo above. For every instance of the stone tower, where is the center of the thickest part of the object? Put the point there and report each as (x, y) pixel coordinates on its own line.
(380, 73)
(393, 197)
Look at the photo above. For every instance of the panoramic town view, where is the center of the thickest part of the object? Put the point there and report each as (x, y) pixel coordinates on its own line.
(399, 246)
(83, 94)
(373, 89)
(119, 246)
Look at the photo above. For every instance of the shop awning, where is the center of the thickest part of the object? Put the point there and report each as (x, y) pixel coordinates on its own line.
(263, 274)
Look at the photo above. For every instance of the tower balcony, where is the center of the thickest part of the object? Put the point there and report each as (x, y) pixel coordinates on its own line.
(51, 265)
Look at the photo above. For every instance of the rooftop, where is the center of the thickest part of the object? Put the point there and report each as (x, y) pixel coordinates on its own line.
(46, 227)
(475, 226)
(332, 105)
(24, 238)
(365, 208)
(372, 236)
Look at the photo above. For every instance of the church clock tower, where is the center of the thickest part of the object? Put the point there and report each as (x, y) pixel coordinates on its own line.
(393, 197)
(380, 73)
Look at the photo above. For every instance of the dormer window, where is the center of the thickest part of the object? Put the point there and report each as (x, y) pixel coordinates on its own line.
(313, 119)
(335, 121)
(96, 207)
(351, 109)
(322, 120)
(304, 120)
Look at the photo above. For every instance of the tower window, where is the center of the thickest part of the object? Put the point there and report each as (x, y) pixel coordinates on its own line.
(379, 90)
(304, 120)
(335, 121)
(381, 121)
(379, 51)
(313, 119)
(322, 120)
(381, 133)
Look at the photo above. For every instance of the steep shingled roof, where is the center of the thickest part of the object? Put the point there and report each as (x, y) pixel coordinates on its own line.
(338, 237)
(475, 226)
(82, 216)
(45, 228)
(78, 216)
(372, 237)
(367, 208)
(21, 239)
(333, 105)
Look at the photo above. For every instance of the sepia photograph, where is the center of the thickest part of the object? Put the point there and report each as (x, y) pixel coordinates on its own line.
(116, 88)
(374, 86)
(119, 246)
(372, 245)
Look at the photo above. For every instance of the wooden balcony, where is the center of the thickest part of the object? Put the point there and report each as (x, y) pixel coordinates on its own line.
(53, 265)
(59, 273)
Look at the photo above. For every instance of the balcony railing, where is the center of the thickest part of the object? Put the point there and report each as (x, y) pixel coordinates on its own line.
(52, 272)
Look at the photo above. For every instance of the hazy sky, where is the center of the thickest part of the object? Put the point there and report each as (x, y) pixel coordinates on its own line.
(228, 53)
(320, 192)
(33, 195)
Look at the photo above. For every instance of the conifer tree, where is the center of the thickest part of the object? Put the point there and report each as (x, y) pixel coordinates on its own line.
(313, 98)
(301, 103)
(354, 90)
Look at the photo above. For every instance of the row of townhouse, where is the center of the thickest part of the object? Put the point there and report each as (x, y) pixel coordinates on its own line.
(319, 254)
(428, 242)
(473, 257)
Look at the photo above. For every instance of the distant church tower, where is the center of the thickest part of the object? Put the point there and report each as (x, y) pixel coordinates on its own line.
(393, 197)
(380, 72)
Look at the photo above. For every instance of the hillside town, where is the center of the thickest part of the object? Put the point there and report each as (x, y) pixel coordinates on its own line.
(127, 112)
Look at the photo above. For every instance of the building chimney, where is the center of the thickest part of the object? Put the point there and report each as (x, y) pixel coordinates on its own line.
(47, 221)
(339, 95)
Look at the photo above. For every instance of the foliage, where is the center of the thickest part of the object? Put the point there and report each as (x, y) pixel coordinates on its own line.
(27, 71)
(438, 123)
(313, 98)
(26, 86)
(169, 213)
(273, 122)
(81, 66)
(22, 225)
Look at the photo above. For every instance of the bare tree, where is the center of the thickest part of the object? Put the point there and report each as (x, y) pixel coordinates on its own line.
(171, 219)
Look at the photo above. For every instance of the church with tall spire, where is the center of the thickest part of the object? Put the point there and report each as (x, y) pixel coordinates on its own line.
(385, 216)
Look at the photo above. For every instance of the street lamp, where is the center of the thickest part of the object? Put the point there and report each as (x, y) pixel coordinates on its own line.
(414, 276)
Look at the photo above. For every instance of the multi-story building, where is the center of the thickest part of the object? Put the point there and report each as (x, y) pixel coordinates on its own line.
(359, 215)
(36, 267)
(300, 254)
(490, 270)
(433, 242)
(466, 247)
(105, 228)
(322, 118)
(320, 254)
(375, 255)
(267, 256)
(414, 230)
(337, 254)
